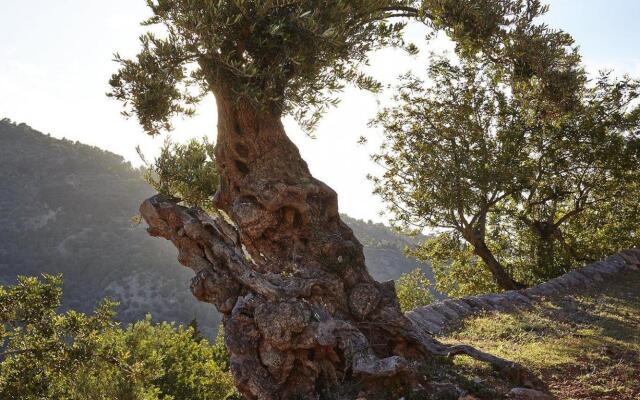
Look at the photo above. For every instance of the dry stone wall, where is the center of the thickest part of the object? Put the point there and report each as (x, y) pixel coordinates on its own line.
(437, 317)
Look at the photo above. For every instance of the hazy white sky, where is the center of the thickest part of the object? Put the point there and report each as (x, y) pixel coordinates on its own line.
(55, 60)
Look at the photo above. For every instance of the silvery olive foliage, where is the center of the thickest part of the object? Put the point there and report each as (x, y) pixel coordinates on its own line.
(185, 171)
(285, 56)
(294, 56)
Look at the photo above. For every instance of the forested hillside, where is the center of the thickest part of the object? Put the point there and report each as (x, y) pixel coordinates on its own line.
(68, 208)
(384, 249)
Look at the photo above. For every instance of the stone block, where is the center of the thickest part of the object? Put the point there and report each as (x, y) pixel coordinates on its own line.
(517, 298)
(460, 306)
(424, 324)
(448, 312)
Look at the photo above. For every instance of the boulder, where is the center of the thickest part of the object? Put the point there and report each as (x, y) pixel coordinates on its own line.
(432, 315)
(423, 323)
(450, 313)
(460, 306)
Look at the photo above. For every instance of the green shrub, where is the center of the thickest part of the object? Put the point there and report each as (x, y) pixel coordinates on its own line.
(413, 290)
(51, 355)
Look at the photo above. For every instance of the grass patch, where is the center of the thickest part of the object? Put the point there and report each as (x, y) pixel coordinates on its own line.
(585, 347)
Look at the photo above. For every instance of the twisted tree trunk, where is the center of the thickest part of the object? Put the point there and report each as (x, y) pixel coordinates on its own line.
(301, 313)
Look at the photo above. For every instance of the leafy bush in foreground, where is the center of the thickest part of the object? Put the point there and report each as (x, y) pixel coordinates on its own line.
(50, 355)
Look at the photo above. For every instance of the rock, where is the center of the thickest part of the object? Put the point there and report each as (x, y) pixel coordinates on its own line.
(616, 258)
(629, 256)
(561, 289)
(581, 279)
(460, 306)
(635, 252)
(630, 261)
(633, 267)
(447, 391)
(499, 302)
(605, 268)
(534, 291)
(561, 283)
(550, 288)
(517, 298)
(554, 287)
(423, 323)
(567, 281)
(448, 312)
(477, 303)
(432, 315)
(528, 394)
(592, 273)
(591, 279)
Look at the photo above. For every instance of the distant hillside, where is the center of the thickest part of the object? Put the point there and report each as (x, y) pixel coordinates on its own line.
(68, 207)
(384, 249)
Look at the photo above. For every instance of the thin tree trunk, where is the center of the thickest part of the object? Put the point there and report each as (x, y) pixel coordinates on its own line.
(301, 313)
(499, 273)
(546, 254)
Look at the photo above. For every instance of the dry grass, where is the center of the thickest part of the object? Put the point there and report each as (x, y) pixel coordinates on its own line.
(584, 347)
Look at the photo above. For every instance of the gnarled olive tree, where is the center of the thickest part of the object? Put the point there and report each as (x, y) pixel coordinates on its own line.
(301, 313)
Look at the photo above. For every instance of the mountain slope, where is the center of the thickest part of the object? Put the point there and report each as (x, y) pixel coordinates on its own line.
(68, 207)
(384, 249)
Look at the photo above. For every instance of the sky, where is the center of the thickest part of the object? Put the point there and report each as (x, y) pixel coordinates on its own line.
(56, 59)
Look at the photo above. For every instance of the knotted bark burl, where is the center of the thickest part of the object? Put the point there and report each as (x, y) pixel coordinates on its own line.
(301, 313)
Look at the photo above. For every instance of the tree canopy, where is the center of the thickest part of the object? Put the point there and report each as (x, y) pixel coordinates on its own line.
(291, 57)
(503, 178)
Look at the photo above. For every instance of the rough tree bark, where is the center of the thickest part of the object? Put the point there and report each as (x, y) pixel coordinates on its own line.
(301, 313)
